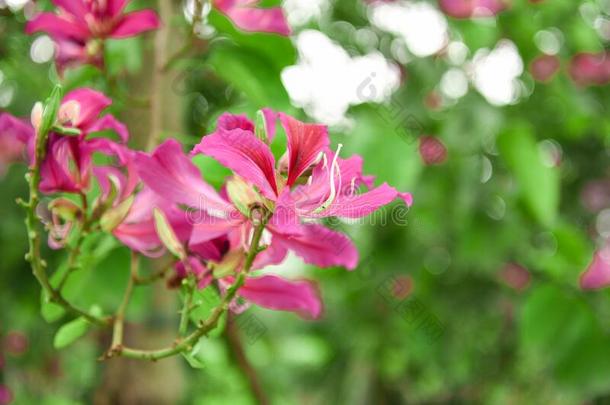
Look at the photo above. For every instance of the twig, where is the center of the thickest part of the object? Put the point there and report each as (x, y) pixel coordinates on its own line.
(238, 352)
(186, 309)
(119, 318)
(162, 39)
(151, 278)
(34, 238)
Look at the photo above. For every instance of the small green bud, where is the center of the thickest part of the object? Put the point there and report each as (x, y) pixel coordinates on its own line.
(167, 235)
(113, 217)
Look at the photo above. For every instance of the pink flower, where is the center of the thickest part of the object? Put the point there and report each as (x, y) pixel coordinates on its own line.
(80, 26)
(472, 8)
(14, 136)
(67, 166)
(597, 274)
(248, 17)
(308, 184)
(589, 69)
(544, 67)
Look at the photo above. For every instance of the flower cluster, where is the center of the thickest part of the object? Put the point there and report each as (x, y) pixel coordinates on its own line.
(153, 202)
(80, 27)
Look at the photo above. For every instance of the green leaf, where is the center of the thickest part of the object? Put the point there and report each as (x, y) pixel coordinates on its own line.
(194, 357)
(70, 332)
(538, 183)
(205, 301)
(252, 74)
(50, 311)
(49, 116)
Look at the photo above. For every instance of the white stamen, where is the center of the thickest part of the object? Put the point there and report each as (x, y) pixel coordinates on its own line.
(333, 188)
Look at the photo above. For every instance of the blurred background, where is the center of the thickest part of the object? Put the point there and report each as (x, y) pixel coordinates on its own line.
(494, 114)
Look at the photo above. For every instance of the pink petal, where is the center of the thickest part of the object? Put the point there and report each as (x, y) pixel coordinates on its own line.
(207, 227)
(15, 129)
(138, 229)
(272, 255)
(248, 18)
(15, 134)
(172, 175)
(66, 167)
(597, 274)
(211, 250)
(282, 295)
(110, 123)
(135, 23)
(73, 53)
(77, 8)
(305, 142)
(360, 205)
(319, 246)
(91, 102)
(116, 7)
(229, 122)
(246, 155)
(57, 27)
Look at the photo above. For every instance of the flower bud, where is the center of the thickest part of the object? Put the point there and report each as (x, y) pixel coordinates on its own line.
(115, 216)
(167, 235)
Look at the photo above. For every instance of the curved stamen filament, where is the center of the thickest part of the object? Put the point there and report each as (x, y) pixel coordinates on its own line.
(333, 188)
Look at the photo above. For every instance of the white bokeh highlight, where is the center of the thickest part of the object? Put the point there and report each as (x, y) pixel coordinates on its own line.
(326, 80)
(495, 73)
(423, 27)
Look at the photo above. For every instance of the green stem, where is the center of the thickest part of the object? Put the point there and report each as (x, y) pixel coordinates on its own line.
(76, 250)
(211, 322)
(188, 302)
(34, 238)
(119, 318)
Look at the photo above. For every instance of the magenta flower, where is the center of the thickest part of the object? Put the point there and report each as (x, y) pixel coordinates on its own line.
(67, 166)
(14, 136)
(248, 17)
(472, 8)
(597, 274)
(308, 184)
(590, 69)
(80, 26)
